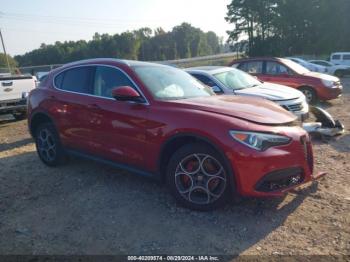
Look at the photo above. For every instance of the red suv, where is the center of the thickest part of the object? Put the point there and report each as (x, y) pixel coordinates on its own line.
(160, 122)
(315, 86)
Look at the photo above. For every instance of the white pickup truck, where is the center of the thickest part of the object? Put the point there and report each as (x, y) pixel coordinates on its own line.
(14, 90)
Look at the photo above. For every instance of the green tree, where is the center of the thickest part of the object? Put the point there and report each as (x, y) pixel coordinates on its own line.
(143, 44)
(3, 63)
(287, 27)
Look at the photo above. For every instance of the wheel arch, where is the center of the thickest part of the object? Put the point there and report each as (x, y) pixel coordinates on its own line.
(37, 119)
(311, 88)
(172, 144)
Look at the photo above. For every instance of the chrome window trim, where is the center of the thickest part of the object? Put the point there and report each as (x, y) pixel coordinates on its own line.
(90, 95)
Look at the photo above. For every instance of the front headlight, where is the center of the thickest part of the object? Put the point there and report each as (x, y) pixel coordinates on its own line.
(328, 83)
(259, 141)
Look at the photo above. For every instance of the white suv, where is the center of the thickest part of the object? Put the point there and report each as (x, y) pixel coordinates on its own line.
(340, 58)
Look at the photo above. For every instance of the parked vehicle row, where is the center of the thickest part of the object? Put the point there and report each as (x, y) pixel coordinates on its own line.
(333, 69)
(315, 86)
(161, 122)
(339, 64)
(311, 66)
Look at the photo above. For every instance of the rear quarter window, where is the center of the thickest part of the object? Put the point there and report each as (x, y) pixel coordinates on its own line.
(59, 80)
(78, 80)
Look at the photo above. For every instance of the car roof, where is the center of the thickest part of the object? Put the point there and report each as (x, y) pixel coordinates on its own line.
(265, 58)
(211, 70)
(113, 60)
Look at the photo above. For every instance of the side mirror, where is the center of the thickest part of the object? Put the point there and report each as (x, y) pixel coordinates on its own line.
(216, 89)
(126, 93)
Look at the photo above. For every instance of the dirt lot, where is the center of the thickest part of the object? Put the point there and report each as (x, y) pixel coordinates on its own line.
(88, 208)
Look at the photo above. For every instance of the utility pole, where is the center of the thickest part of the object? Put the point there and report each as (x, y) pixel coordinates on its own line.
(3, 46)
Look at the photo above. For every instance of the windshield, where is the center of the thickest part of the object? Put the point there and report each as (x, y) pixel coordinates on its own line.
(236, 79)
(299, 69)
(167, 83)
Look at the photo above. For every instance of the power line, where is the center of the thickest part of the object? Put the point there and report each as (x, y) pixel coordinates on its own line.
(73, 20)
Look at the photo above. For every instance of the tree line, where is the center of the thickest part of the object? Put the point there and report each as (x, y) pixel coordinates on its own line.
(183, 41)
(289, 27)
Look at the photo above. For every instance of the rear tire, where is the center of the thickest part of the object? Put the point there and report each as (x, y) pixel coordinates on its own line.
(198, 178)
(48, 145)
(310, 94)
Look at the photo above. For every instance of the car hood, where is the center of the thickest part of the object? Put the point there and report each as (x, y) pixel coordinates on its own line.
(254, 110)
(271, 91)
(322, 76)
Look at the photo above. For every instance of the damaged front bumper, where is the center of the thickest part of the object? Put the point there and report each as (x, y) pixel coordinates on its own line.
(325, 124)
(314, 178)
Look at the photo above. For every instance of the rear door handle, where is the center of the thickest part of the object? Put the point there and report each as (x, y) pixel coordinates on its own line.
(93, 106)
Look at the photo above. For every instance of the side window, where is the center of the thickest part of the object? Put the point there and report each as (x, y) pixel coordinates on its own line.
(76, 80)
(346, 57)
(254, 67)
(274, 68)
(336, 57)
(205, 80)
(107, 78)
(59, 80)
(323, 63)
(242, 66)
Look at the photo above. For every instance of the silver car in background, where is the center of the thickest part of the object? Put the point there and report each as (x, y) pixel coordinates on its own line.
(231, 81)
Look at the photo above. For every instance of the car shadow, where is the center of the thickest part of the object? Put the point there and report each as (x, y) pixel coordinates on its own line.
(324, 104)
(88, 208)
(16, 144)
(341, 143)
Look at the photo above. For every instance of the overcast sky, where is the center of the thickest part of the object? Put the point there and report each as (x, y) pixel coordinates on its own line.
(27, 24)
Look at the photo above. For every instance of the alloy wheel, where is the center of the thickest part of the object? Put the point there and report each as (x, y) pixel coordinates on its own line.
(309, 95)
(46, 145)
(200, 179)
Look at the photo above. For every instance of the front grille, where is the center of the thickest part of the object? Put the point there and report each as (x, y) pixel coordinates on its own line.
(280, 179)
(307, 149)
(294, 107)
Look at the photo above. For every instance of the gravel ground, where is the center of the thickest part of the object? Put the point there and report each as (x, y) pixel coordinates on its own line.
(88, 208)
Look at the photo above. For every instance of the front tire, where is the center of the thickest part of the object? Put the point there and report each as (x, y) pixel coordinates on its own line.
(48, 145)
(310, 94)
(339, 73)
(198, 178)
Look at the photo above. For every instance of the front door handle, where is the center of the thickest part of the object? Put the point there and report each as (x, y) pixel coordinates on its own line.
(93, 106)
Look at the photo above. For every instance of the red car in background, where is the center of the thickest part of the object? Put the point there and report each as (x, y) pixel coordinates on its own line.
(315, 86)
(158, 121)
